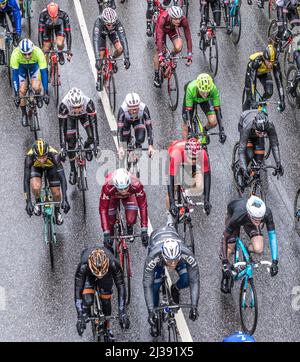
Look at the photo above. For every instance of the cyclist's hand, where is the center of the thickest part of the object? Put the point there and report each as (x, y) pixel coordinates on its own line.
(279, 169)
(281, 106)
(174, 210)
(29, 208)
(152, 318)
(222, 137)
(46, 98)
(207, 207)
(274, 268)
(17, 101)
(227, 267)
(145, 238)
(194, 314)
(124, 320)
(65, 205)
(98, 64)
(189, 60)
(151, 151)
(63, 153)
(80, 325)
(126, 63)
(121, 153)
(69, 55)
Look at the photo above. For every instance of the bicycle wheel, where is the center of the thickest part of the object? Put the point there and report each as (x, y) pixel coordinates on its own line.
(235, 167)
(290, 81)
(297, 212)
(50, 230)
(273, 29)
(248, 306)
(213, 56)
(82, 185)
(288, 58)
(172, 332)
(258, 188)
(236, 25)
(56, 84)
(28, 16)
(111, 92)
(127, 275)
(173, 90)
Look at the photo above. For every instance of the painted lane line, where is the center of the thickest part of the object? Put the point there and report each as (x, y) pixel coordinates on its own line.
(180, 320)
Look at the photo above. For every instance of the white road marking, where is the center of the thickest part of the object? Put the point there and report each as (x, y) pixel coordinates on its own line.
(2, 299)
(180, 320)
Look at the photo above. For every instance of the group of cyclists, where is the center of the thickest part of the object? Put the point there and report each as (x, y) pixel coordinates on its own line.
(165, 247)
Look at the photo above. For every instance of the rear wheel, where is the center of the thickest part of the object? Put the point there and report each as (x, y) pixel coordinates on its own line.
(82, 185)
(127, 275)
(235, 167)
(50, 227)
(290, 80)
(56, 84)
(173, 90)
(248, 306)
(273, 29)
(213, 56)
(236, 25)
(297, 212)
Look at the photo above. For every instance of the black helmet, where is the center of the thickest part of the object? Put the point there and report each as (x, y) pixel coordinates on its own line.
(261, 122)
(270, 53)
(40, 148)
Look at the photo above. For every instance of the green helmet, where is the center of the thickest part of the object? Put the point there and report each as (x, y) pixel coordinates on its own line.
(204, 83)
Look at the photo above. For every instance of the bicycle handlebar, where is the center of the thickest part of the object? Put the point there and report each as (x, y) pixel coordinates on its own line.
(48, 203)
(190, 203)
(255, 265)
(126, 236)
(174, 306)
(56, 51)
(106, 318)
(80, 149)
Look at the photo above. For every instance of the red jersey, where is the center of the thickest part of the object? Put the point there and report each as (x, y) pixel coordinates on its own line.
(178, 157)
(165, 27)
(109, 191)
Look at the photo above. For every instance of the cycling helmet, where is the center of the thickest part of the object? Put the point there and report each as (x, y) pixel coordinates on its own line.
(171, 249)
(75, 97)
(53, 9)
(261, 122)
(40, 148)
(121, 179)
(3, 3)
(132, 100)
(109, 16)
(165, 3)
(193, 147)
(26, 46)
(98, 263)
(204, 83)
(175, 12)
(256, 208)
(239, 337)
(270, 53)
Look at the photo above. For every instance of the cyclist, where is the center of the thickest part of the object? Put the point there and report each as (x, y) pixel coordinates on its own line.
(252, 214)
(167, 250)
(254, 125)
(108, 25)
(260, 66)
(134, 113)
(292, 16)
(30, 60)
(168, 23)
(239, 337)
(111, 4)
(54, 19)
(195, 163)
(98, 267)
(121, 185)
(204, 13)
(151, 5)
(75, 107)
(39, 159)
(204, 92)
(11, 8)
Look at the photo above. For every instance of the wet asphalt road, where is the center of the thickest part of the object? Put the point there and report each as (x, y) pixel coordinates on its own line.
(40, 303)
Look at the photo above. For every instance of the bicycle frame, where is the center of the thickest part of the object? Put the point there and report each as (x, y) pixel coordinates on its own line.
(248, 271)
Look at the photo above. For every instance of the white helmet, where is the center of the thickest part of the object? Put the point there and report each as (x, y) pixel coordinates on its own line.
(175, 12)
(75, 97)
(256, 208)
(132, 100)
(121, 179)
(109, 16)
(171, 249)
(26, 46)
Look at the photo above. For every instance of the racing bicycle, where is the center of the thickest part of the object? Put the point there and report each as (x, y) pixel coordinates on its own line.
(232, 19)
(208, 40)
(26, 10)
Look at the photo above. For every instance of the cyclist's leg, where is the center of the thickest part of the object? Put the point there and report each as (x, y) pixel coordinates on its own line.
(256, 239)
(114, 38)
(88, 295)
(22, 93)
(182, 282)
(86, 124)
(193, 183)
(106, 290)
(267, 83)
(70, 137)
(36, 186)
(176, 40)
(203, 15)
(139, 132)
(131, 211)
(35, 78)
(60, 42)
(112, 213)
(149, 15)
(54, 183)
(216, 10)
(210, 113)
(259, 149)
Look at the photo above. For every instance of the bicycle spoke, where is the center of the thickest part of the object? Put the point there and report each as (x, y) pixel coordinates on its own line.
(248, 306)
(173, 91)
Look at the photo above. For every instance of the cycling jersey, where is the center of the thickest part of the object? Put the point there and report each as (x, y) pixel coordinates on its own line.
(139, 122)
(165, 27)
(18, 62)
(110, 193)
(12, 8)
(193, 97)
(62, 25)
(155, 260)
(114, 273)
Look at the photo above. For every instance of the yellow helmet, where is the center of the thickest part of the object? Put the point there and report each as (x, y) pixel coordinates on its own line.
(98, 263)
(270, 53)
(40, 148)
(204, 83)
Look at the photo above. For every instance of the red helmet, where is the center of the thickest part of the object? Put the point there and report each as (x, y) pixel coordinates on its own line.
(53, 9)
(193, 147)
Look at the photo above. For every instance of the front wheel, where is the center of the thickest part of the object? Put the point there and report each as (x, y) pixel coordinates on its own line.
(111, 92)
(288, 58)
(173, 90)
(292, 89)
(172, 332)
(56, 84)
(127, 275)
(297, 212)
(236, 25)
(248, 306)
(235, 167)
(213, 56)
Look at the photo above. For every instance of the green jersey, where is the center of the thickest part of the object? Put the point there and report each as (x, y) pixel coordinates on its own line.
(17, 58)
(192, 96)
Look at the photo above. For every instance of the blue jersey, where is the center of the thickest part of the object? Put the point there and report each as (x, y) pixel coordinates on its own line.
(239, 337)
(13, 7)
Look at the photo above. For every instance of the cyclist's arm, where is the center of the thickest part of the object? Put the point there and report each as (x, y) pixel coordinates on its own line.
(119, 281)
(253, 65)
(80, 276)
(17, 16)
(141, 199)
(244, 137)
(271, 234)
(188, 36)
(188, 106)
(148, 123)
(27, 170)
(193, 272)
(42, 62)
(41, 29)
(278, 80)
(148, 279)
(98, 27)
(174, 161)
(14, 64)
(160, 34)
(123, 39)
(62, 118)
(92, 116)
(120, 126)
(62, 177)
(67, 29)
(274, 144)
(103, 210)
